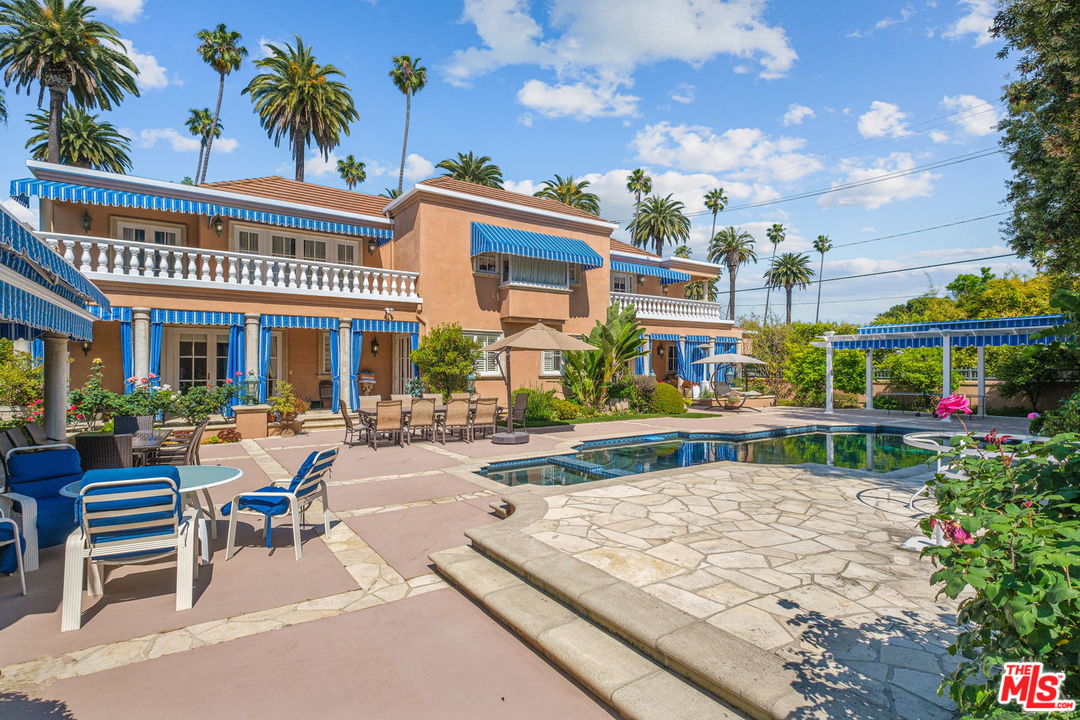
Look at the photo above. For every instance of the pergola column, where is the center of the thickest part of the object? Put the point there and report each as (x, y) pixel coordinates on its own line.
(829, 373)
(869, 379)
(980, 369)
(140, 341)
(345, 376)
(56, 386)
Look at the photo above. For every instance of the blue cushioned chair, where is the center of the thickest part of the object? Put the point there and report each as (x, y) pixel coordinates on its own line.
(129, 515)
(35, 476)
(12, 546)
(293, 499)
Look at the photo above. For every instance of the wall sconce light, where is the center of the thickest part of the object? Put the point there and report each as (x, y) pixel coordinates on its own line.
(665, 289)
(86, 347)
(374, 347)
(371, 245)
(86, 221)
(641, 279)
(219, 225)
(660, 350)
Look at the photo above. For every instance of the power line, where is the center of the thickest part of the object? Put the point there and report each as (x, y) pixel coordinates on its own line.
(829, 302)
(920, 230)
(891, 272)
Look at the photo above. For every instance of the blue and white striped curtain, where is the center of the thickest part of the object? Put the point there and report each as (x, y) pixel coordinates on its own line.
(264, 359)
(127, 353)
(698, 373)
(234, 365)
(156, 330)
(355, 352)
(639, 362)
(682, 359)
(335, 370)
(37, 350)
(414, 343)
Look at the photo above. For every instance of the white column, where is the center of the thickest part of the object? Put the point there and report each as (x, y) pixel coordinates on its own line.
(869, 379)
(649, 358)
(251, 342)
(829, 377)
(56, 386)
(140, 338)
(981, 378)
(345, 360)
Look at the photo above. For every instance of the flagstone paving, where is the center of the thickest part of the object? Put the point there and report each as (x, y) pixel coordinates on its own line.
(805, 564)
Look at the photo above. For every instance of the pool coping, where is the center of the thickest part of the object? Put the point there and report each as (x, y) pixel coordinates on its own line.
(748, 677)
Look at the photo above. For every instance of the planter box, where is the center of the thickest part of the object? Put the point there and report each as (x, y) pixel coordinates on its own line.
(285, 429)
(251, 420)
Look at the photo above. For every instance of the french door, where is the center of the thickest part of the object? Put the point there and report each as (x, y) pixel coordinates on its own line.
(403, 367)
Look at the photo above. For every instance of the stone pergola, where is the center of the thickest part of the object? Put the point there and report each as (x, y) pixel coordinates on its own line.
(991, 332)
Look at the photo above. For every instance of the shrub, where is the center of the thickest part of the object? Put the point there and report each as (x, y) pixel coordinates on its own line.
(642, 390)
(284, 402)
(668, 400)
(21, 378)
(847, 400)
(1030, 373)
(228, 435)
(541, 403)
(1065, 419)
(590, 374)
(566, 410)
(199, 402)
(805, 371)
(446, 358)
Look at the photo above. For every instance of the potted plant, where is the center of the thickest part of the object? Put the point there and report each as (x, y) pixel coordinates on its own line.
(135, 411)
(287, 408)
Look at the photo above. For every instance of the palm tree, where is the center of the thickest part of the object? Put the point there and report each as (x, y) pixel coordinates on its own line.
(56, 44)
(221, 50)
(3, 108)
(789, 271)
(698, 289)
(732, 247)
(715, 201)
(683, 251)
(476, 169)
(85, 141)
(200, 123)
(410, 77)
(775, 233)
(352, 171)
(639, 183)
(390, 193)
(660, 220)
(822, 245)
(570, 192)
(297, 98)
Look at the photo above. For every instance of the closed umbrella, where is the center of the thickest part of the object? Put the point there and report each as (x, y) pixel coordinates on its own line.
(536, 337)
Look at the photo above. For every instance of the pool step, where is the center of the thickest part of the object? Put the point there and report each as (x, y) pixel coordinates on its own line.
(500, 509)
(634, 684)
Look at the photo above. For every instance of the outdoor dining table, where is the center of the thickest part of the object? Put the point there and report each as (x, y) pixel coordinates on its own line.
(193, 480)
(145, 443)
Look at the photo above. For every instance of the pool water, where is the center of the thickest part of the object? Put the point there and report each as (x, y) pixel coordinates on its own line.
(880, 452)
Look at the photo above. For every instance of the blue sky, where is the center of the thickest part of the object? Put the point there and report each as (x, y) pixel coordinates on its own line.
(767, 99)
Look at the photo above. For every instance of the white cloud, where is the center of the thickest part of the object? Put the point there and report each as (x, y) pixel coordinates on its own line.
(796, 113)
(905, 14)
(977, 22)
(744, 153)
(121, 10)
(317, 165)
(418, 167)
(683, 93)
(973, 115)
(152, 75)
(883, 119)
(149, 137)
(264, 46)
(877, 194)
(577, 100)
(938, 136)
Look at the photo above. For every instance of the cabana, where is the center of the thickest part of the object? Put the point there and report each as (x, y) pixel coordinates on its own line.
(992, 332)
(43, 297)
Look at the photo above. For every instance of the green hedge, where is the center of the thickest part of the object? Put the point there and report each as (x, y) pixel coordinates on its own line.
(667, 400)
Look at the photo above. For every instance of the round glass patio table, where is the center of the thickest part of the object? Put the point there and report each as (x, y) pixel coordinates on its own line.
(193, 480)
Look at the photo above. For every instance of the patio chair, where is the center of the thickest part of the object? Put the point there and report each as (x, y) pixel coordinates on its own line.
(12, 547)
(406, 399)
(293, 500)
(36, 433)
(186, 450)
(17, 437)
(368, 403)
(35, 476)
(422, 420)
(517, 413)
(461, 396)
(5, 446)
(456, 418)
(483, 419)
(131, 515)
(352, 428)
(432, 396)
(105, 452)
(390, 421)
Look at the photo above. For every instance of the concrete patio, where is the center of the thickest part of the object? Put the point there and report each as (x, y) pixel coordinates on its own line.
(800, 564)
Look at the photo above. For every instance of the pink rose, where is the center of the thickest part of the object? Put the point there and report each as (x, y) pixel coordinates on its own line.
(152, 376)
(228, 381)
(955, 403)
(1033, 416)
(956, 534)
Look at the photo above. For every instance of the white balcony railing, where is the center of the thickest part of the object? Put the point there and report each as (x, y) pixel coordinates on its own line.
(657, 307)
(120, 260)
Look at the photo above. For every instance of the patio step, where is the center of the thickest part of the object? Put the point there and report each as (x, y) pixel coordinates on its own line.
(500, 509)
(631, 682)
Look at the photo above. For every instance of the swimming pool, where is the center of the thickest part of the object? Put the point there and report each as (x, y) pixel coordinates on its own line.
(874, 448)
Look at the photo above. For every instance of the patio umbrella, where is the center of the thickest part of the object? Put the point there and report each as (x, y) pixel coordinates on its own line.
(729, 359)
(536, 337)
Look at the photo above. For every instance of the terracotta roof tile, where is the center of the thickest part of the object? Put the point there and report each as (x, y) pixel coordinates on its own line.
(626, 247)
(278, 188)
(449, 183)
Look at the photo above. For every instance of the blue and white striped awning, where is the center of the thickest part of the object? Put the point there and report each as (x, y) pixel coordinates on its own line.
(509, 241)
(23, 316)
(299, 321)
(195, 317)
(111, 314)
(664, 336)
(1005, 323)
(69, 192)
(667, 277)
(36, 261)
(399, 326)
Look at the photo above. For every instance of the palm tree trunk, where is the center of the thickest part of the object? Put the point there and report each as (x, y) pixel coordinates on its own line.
(817, 310)
(405, 142)
(213, 130)
(768, 293)
(788, 290)
(198, 164)
(731, 293)
(633, 223)
(712, 233)
(299, 136)
(57, 96)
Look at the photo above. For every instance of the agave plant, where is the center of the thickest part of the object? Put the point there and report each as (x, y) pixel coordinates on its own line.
(589, 374)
